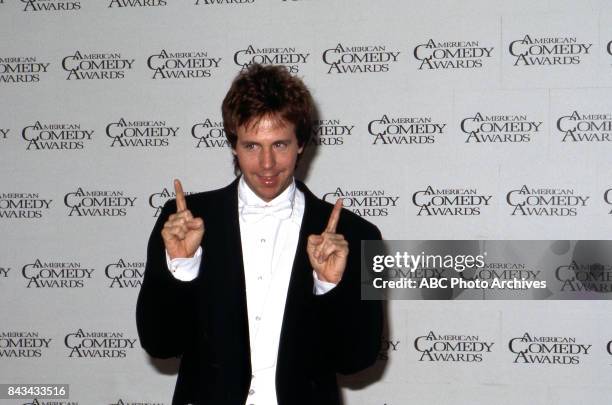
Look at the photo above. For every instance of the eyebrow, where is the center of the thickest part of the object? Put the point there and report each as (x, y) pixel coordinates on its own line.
(247, 142)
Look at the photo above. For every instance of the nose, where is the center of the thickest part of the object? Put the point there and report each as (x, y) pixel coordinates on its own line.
(267, 158)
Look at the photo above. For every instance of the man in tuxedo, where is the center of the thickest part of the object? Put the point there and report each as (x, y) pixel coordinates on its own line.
(256, 286)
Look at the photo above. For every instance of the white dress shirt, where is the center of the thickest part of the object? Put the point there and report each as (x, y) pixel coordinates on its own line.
(269, 233)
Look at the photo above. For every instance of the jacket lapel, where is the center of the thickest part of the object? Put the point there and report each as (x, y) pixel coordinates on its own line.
(294, 331)
(235, 265)
(301, 283)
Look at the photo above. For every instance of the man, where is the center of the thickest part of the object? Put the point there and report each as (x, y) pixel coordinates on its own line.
(257, 285)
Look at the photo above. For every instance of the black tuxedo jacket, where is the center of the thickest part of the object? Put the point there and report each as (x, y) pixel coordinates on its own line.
(205, 321)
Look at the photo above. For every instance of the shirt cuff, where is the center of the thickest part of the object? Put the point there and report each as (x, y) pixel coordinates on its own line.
(185, 269)
(321, 287)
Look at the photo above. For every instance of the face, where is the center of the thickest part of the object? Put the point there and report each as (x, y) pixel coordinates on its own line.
(267, 153)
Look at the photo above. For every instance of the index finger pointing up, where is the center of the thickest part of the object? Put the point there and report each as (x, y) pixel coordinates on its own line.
(334, 217)
(181, 204)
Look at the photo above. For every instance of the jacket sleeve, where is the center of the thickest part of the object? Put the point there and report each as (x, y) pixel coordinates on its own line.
(165, 304)
(350, 328)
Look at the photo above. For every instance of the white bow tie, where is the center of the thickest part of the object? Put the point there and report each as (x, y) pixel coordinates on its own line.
(255, 213)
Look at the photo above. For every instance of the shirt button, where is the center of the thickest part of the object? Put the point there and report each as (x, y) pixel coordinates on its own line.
(260, 278)
(251, 391)
(262, 240)
(258, 318)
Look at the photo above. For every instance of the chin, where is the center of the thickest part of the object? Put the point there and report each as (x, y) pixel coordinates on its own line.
(268, 195)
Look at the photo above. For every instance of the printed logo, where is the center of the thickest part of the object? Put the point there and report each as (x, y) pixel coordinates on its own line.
(450, 201)
(330, 132)
(124, 274)
(359, 59)
(98, 344)
(50, 402)
(136, 3)
(51, 5)
(41, 274)
(4, 133)
(531, 349)
(558, 202)
(125, 402)
(548, 51)
(608, 198)
(609, 48)
(435, 55)
(157, 200)
(22, 69)
(23, 344)
(499, 128)
(578, 127)
(502, 272)
(41, 136)
(288, 57)
(96, 66)
(585, 277)
(23, 205)
(452, 348)
(182, 65)
(4, 271)
(366, 203)
(404, 130)
(98, 203)
(210, 134)
(422, 274)
(126, 134)
(387, 347)
(609, 347)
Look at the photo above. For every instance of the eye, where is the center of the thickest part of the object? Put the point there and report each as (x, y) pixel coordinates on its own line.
(280, 145)
(249, 146)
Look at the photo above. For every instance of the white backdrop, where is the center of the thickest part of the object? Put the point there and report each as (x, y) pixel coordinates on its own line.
(104, 102)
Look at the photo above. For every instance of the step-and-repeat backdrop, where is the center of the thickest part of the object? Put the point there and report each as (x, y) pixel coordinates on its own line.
(508, 104)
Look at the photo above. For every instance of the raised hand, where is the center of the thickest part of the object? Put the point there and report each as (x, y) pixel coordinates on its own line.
(182, 233)
(328, 251)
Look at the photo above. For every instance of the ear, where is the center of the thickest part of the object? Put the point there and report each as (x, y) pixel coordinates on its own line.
(300, 150)
(234, 151)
